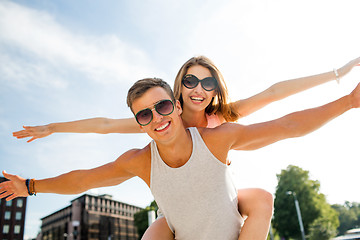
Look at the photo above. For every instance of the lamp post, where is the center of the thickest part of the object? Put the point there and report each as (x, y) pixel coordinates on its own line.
(297, 206)
(151, 216)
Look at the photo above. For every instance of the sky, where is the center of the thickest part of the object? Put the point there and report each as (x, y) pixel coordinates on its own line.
(69, 60)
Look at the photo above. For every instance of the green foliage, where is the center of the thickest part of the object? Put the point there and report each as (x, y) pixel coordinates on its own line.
(313, 205)
(154, 206)
(275, 235)
(349, 216)
(322, 229)
(141, 221)
(141, 218)
(285, 217)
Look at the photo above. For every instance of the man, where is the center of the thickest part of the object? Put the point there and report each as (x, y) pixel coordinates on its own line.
(185, 168)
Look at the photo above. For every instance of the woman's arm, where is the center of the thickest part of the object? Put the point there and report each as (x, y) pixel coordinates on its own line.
(287, 88)
(92, 125)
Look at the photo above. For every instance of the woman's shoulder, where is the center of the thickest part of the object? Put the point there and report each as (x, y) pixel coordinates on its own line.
(214, 120)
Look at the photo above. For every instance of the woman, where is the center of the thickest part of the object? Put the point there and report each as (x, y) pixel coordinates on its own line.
(201, 89)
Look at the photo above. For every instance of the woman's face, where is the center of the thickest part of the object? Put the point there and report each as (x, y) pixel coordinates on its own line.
(197, 99)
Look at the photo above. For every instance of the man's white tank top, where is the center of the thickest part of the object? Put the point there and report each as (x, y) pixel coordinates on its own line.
(198, 199)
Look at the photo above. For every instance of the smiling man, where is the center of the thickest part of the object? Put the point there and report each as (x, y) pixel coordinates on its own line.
(185, 169)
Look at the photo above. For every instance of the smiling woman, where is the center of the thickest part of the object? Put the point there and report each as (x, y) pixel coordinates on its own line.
(196, 100)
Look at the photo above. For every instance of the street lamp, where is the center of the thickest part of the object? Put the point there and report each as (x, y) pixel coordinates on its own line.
(297, 206)
(151, 216)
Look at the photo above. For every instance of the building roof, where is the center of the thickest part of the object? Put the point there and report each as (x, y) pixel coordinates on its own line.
(104, 196)
(349, 235)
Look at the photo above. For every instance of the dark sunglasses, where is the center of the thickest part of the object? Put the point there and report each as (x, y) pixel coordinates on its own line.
(163, 107)
(191, 81)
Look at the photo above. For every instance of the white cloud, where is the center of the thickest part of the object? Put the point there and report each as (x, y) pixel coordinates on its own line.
(37, 47)
(19, 72)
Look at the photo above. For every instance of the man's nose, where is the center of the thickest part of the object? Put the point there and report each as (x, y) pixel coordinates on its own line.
(156, 116)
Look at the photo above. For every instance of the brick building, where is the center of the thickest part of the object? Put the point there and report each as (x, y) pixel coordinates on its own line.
(91, 217)
(12, 218)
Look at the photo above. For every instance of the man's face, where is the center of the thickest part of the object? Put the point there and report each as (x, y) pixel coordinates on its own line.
(161, 128)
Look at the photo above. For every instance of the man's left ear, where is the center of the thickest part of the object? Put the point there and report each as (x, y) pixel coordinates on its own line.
(178, 107)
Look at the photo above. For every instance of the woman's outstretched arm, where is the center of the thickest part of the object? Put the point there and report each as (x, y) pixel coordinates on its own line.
(91, 125)
(287, 88)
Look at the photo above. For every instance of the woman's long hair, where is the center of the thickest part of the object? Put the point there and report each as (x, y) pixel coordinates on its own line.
(220, 103)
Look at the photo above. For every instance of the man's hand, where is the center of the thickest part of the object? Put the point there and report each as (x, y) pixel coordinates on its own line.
(355, 97)
(13, 188)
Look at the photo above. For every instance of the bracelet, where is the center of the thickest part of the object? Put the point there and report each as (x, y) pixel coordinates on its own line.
(336, 75)
(30, 185)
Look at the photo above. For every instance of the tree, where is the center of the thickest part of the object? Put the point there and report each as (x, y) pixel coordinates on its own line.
(141, 218)
(313, 205)
(349, 216)
(322, 229)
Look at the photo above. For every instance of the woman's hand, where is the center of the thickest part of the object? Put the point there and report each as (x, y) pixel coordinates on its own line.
(33, 132)
(347, 67)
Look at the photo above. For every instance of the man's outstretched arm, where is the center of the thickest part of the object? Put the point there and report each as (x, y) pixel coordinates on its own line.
(73, 182)
(296, 124)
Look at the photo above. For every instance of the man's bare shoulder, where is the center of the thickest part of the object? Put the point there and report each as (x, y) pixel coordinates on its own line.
(134, 159)
(137, 162)
(220, 139)
(135, 156)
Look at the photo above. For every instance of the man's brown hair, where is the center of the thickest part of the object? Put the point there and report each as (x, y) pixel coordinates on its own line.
(142, 86)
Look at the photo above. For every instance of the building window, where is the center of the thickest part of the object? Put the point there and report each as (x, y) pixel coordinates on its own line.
(18, 216)
(8, 203)
(17, 229)
(6, 229)
(19, 203)
(7, 215)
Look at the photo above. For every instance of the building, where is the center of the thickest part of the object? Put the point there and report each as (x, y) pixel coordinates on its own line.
(12, 217)
(352, 234)
(91, 217)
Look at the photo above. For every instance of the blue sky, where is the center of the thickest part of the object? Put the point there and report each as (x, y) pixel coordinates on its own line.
(68, 60)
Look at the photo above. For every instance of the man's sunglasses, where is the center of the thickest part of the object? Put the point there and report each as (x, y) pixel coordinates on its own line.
(163, 107)
(191, 81)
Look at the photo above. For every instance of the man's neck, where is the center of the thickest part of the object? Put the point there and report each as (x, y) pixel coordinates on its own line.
(178, 151)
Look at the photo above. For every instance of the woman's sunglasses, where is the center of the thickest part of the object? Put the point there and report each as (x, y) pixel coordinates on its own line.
(163, 107)
(191, 81)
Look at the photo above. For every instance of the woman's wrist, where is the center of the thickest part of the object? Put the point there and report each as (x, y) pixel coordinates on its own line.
(51, 127)
(337, 76)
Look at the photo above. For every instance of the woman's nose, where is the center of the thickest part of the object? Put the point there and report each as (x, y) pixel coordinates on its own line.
(198, 88)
